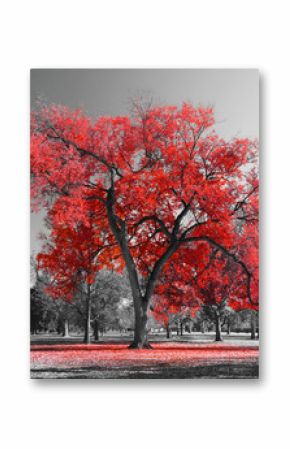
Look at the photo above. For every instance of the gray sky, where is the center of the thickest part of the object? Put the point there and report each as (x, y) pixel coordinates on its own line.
(234, 93)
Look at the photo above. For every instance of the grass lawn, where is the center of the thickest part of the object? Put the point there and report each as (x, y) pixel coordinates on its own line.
(237, 359)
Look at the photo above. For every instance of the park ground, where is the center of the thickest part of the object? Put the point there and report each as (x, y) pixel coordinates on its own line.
(193, 356)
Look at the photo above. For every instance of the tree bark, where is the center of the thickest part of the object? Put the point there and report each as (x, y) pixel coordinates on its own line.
(140, 329)
(87, 338)
(253, 326)
(218, 333)
(229, 328)
(96, 330)
(66, 329)
(181, 329)
(168, 331)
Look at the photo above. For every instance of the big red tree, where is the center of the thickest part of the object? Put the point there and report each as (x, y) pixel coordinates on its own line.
(159, 180)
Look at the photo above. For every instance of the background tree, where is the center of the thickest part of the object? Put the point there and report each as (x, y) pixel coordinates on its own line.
(111, 306)
(36, 310)
(111, 299)
(48, 315)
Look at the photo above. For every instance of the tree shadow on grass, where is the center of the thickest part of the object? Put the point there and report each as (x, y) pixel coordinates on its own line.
(213, 371)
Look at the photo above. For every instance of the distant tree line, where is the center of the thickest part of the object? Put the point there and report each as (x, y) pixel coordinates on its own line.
(112, 309)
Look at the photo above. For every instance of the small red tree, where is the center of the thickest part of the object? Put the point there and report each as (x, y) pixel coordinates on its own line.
(72, 257)
(218, 288)
(215, 284)
(160, 180)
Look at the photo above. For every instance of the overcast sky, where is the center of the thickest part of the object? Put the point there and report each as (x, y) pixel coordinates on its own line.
(233, 93)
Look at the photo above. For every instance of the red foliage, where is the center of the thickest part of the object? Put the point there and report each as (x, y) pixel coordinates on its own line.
(118, 356)
(74, 254)
(189, 282)
(174, 187)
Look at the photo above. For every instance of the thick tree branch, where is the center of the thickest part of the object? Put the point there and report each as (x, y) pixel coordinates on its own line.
(157, 220)
(157, 270)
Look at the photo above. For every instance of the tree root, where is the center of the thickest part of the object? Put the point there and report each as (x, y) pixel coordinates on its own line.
(140, 345)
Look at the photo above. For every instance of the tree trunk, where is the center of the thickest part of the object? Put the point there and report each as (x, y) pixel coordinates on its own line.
(229, 328)
(87, 338)
(202, 327)
(181, 329)
(66, 329)
(141, 303)
(218, 333)
(140, 329)
(253, 326)
(96, 330)
(168, 331)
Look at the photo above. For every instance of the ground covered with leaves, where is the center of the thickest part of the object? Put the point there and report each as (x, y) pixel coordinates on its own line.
(165, 361)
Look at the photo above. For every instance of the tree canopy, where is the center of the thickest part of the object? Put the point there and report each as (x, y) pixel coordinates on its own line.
(161, 183)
